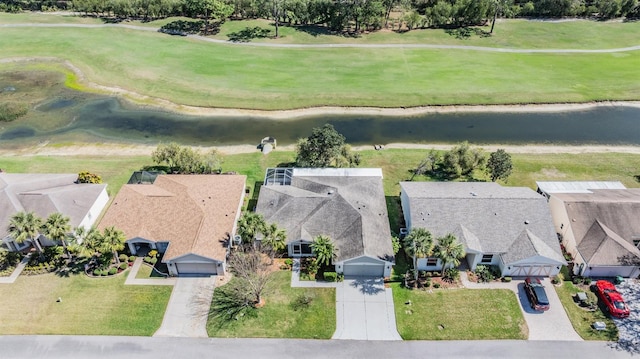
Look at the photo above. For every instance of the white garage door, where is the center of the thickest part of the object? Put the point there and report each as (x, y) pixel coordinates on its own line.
(531, 271)
(369, 270)
(196, 268)
(610, 271)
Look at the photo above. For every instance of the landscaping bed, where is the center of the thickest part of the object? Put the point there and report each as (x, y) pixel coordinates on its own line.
(8, 262)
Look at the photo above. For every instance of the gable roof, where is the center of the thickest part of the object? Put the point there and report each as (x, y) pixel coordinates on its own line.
(45, 194)
(486, 217)
(604, 224)
(194, 213)
(348, 205)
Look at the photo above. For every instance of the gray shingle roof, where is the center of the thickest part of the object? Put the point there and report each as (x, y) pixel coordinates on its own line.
(486, 217)
(45, 194)
(348, 206)
(604, 223)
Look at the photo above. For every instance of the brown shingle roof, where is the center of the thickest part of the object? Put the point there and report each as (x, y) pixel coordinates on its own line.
(195, 213)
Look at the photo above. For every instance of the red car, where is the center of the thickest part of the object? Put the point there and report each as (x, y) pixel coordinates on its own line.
(612, 300)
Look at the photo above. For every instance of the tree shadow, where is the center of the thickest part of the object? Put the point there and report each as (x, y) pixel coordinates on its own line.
(313, 30)
(184, 27)
(464, 33)
(368, 286)
(249, 33)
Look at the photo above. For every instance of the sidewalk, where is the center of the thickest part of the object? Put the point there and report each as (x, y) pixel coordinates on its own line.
(16, 272)
(132, 280)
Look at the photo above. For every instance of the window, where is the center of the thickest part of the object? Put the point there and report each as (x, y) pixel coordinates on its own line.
(636, 242)
(432, 262)
(487, 258)
(297, 249)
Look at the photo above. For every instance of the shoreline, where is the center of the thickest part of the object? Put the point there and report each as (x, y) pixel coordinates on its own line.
(123, 149)
(149, 102)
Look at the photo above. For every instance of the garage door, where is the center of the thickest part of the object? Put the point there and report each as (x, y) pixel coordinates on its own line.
(196, 268)
(369, 270)
(611, 271)
(531, 271)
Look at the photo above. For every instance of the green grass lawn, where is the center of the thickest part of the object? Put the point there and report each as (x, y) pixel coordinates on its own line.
(277, 319)
(89, 306)
(458, 314)
(582, 319)
(191, 72)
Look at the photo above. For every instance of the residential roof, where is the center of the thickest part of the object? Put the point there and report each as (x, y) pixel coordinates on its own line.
(45, 194)
(549, 187)
(194, 213)
(348, 205)
(486, 217)
(605, 224)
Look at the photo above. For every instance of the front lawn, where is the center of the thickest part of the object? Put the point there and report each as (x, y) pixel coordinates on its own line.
(278, 319)
(88, 306)
(583, 319)
(458, 314)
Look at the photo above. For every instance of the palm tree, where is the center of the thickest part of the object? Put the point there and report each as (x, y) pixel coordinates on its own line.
(418, 243)
(86, 242)
(275, 238)
(449, 251)
(113, 241)
(249, 225)
(324, 249)
(57, 228)
(25, 226)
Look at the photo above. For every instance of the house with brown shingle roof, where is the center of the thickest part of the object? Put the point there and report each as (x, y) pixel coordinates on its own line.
(189, 218)
(46, 194)
(600, 228)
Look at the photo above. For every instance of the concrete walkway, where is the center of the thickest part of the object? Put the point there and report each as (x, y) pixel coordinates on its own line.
(16, 272)
(188, 309)
(132, 280)
(553, 324)
(297, 283)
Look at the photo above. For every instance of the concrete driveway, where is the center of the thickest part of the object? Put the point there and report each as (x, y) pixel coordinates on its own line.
(188, 308)
(629, 328)
(553, 324)
(364, 310)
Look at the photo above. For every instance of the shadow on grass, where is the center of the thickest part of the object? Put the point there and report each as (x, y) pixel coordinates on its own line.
(463, 33)
(249, 33)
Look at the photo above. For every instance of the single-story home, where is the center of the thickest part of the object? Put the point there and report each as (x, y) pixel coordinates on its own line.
(45, 194)
(601, 230)
(346, 204)
(189, 218)
(509, 227)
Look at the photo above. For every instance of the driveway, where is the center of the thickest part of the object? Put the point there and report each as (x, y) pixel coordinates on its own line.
(364, 310)
(188, 308)
(629, 328)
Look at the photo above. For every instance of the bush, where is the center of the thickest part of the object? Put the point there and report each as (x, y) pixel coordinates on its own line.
(558, 278)
(104, 272)
(587, 281)
(113, 270)
(132, 258)
(97, 272)
(288, 262)
(576, 280)
(330, 276)
(427, 283)
(123, 258)
(302, 301)
(436, 285)
(123, 266)
(340, 277)
(506, 279)
(88, 177)
(452, 274)
(147, 259)
(429, 274)
(153, 253)
(484, 273)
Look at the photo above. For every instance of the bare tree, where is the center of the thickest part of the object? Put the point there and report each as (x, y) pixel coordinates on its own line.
(252, 269)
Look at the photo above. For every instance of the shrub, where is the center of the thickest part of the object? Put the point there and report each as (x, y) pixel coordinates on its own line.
(302, 301)
(452, 274)
(147, 259)
(427, 283)
(123, 266)
(132, 258)
(153, 253)
(88, 177)
(558, 278)
(506, 279)
(97, 272)
(288, 262)
(112, 271)
(330, 276)
(576, 280)
(423, 273)
(104, 272)
(484, 273)
(340, 277)
(587, 281)
(154, 260)
(429, 274)
(436, 285)
(123, 258)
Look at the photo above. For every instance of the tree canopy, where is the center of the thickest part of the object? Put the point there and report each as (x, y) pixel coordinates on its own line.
(325, 147)
(449, 251)
(183, 159)
(459, 162)
(499, 165)
(324, 249)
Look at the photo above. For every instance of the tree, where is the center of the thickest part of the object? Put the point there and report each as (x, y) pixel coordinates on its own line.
(428, 164)
(186, 160)
(57, 228)
(395, 244)
(25, 226)
(253, 272)
(112, 241)
(462, 160)
(418, 243)
(324, 148)
(275, 239)
(324, 249)
(86, 242)
(499, 165)
(249, 225)
(88, 177)
(449, 251)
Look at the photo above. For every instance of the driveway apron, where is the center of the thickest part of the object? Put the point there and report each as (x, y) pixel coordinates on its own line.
(364, 310)
(188, 308)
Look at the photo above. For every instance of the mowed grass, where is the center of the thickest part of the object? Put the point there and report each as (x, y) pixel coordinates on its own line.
(582, 319)
(191, 72)
(278, 319)
(458, 314)
(88, 306)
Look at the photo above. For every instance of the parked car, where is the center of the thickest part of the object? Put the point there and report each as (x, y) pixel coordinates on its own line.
(536, 294)
(612, 299)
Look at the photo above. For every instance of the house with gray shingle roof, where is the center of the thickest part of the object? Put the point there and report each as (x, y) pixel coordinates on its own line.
(509, 227)
(346, 204)
(45, 194)
(189, 218)
(600, 228)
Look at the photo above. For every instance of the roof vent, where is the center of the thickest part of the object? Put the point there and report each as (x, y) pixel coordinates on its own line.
(474, 194)
(331, 191)
(526, 221)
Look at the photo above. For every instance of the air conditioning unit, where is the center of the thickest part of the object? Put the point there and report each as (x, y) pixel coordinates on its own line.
(237, 240)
